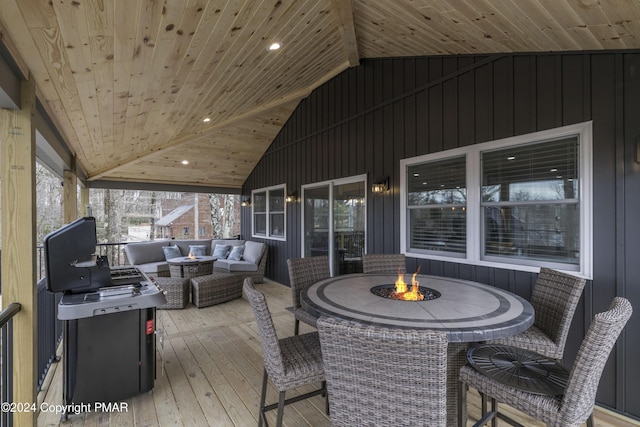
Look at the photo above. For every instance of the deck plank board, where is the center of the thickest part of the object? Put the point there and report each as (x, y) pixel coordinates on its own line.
(209, 372)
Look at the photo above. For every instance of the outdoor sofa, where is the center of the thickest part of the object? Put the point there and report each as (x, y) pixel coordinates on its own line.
(151, 256)
(236, 259)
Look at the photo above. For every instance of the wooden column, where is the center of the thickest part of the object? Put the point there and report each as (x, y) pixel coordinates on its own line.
(70, 202)
(17, 139)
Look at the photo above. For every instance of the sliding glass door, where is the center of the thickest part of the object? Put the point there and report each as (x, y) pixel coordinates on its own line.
(334, 223)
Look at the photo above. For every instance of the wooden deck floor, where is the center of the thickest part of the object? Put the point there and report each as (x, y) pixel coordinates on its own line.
(209, 373)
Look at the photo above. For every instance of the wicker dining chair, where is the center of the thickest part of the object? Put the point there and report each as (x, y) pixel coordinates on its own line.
(555, 298)
(573, 403)
(304, 272)
(378, 376)
(289, 362)
(384, 263)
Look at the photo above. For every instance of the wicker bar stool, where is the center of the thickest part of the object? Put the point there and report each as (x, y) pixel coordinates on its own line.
(379, 376)
(541, 387)
(554, 299)
(384, 263)
(289, 362)
(304, 272)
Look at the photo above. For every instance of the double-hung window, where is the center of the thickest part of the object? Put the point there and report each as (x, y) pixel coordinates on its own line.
(269, 212)
(530, 202)
(519, 203)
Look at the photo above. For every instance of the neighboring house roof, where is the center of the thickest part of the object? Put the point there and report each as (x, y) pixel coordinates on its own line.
(166, 220)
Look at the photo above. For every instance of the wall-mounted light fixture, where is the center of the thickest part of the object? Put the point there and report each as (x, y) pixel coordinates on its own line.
(638, 149)
(246, 202)
(380, 185)
(291, 198)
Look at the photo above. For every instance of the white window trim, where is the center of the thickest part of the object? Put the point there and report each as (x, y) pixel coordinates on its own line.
(267, 213)
(473, 256)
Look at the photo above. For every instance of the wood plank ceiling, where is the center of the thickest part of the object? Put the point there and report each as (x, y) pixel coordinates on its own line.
(128, 83)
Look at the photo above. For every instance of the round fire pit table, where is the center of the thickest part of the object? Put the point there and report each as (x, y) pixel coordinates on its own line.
(466, 311)
(185, 267)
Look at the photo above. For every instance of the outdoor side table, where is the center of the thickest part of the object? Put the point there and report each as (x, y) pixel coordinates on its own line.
(185, 267)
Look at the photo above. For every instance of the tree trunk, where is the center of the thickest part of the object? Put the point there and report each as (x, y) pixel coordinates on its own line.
(216, 217)
(152, 218)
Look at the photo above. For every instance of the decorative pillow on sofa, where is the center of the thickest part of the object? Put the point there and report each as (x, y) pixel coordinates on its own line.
(171, 252)
(221, 251)
(198, 250)
(236, 253)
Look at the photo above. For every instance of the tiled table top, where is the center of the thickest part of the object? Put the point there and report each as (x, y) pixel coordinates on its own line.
(467, 311)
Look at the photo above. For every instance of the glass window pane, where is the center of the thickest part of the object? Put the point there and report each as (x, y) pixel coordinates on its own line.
(260, 202)
(437, 182)
(542, 171)
(276, 200)
(438, 229)
(276, 223)
(316, 221)
(547, 232)
(260, 223)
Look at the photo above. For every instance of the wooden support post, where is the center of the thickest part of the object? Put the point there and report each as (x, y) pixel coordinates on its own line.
(70, 201)
(17, 154)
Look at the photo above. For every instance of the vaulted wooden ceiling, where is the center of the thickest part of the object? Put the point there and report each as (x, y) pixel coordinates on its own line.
(128, 83)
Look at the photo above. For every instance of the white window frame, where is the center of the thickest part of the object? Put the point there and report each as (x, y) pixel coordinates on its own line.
(267, 235)
(583, 131)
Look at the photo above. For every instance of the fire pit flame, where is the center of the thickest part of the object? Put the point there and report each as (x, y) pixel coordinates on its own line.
(191, 256)
(402, 292)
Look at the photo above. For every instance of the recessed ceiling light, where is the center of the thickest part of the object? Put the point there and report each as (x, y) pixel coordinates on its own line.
(554, 170)
(185, 162)
(416, 174)
(511, 158)
(275, 46)
(206, 119)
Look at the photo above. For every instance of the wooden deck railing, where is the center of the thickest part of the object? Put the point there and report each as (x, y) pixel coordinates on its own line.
(6, 328)
(113, 251)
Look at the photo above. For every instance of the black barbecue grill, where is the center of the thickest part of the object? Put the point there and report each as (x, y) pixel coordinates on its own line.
(109, 318)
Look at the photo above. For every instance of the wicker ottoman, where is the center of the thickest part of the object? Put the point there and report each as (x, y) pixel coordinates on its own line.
(216, 288)
(175, 290)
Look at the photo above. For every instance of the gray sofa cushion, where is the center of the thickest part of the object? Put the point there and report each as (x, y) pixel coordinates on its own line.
(253, 251)
(232, 266)
(145, 252)
(184, 245)
(154, 268)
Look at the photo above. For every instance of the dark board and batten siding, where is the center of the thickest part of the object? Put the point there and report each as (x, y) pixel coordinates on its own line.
(368, 118)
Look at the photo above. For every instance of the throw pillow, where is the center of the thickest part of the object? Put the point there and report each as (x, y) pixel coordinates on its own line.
(171, 252)
(221, 251)
(236, 253)
(198, 250)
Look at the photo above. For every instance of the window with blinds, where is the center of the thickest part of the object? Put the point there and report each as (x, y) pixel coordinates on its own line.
(268, 206)
(530, 204)
(436, 202)
(520, 203)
